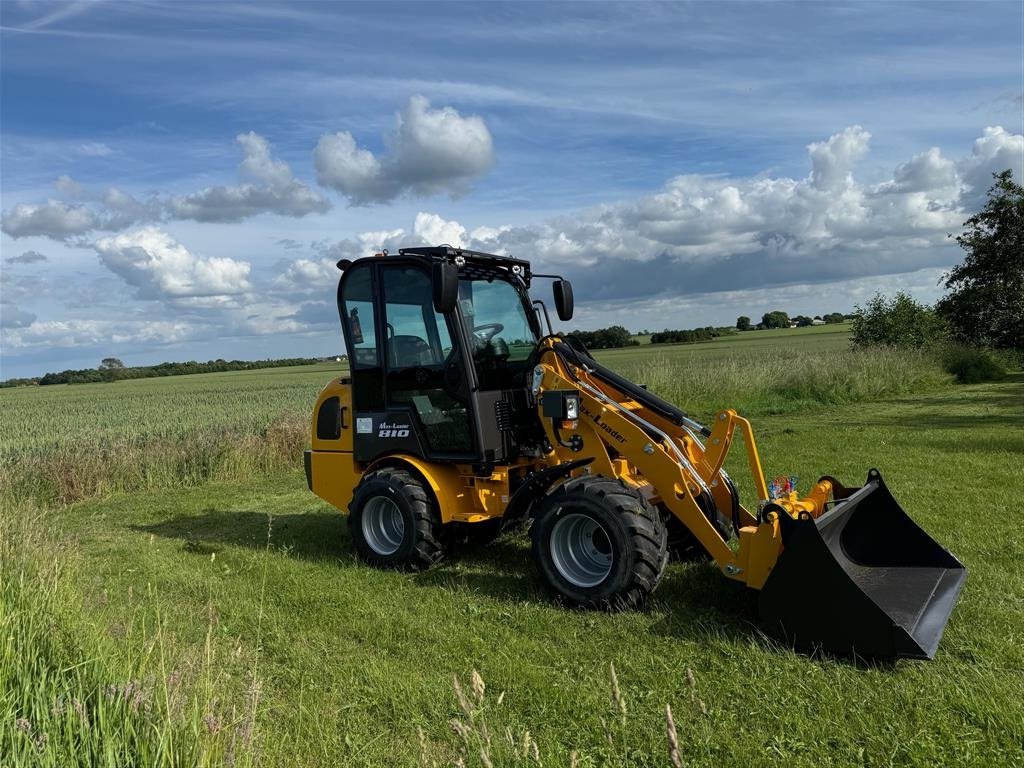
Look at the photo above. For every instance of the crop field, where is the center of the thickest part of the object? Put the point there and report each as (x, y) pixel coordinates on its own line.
(190, 601)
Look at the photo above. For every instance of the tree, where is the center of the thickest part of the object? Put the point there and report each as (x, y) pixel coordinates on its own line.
(110, 363)
(897, 322)
(802, 321)
(775, 319)
(833, 317)
(985, 306)
(743, 323)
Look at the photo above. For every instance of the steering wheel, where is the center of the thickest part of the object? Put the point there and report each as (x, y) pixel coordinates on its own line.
(487, 331)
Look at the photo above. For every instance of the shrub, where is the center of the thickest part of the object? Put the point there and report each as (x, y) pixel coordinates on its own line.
(897, 322)
(971, 365)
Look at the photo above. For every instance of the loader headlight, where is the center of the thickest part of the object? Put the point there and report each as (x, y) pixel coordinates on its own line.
(572, 407)
(561, 404)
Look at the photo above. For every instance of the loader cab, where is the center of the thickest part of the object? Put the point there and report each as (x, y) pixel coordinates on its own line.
(441, 383)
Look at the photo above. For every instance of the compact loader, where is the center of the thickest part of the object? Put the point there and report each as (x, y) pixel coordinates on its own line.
(464, 414)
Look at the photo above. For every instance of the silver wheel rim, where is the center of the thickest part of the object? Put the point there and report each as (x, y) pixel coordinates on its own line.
(581, 550)
(383, 525)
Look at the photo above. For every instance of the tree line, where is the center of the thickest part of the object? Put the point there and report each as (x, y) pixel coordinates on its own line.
(780, 319)
(112, 369)
(611, 337)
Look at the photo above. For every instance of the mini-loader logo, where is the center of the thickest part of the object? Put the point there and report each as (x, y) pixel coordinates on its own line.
(392, 430)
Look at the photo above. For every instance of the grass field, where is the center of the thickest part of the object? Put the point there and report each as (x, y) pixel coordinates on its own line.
(244, 587)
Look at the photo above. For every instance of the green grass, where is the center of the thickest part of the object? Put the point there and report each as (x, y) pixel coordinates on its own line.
(355, 660)
(198, 549)
(42, 419)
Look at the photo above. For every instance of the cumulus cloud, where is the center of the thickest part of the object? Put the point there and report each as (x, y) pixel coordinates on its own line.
(81, 332)
(81, 211)
(708, 233)
(995, 150)
(28, 257)
(53, 219)
(158, 267)
(431, 151)
(268, 187)
(832, 161)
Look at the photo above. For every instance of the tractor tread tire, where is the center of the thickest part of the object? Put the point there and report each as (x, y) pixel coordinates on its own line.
(422, 519)
(683, 546)
(639, 533)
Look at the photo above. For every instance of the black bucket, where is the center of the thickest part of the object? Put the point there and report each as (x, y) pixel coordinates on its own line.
(861, 579)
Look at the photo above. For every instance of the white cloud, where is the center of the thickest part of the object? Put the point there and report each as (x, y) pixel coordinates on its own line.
(271, 188)
(995, 150)
(832, 161)
(52, 219)
(928, 171)
(87, 332)
(432, 151)
(431, 229)
(82, 211)
(160, 268)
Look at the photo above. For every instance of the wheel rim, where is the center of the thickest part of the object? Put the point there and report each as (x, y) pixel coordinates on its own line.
(383, 525)
(581, 550)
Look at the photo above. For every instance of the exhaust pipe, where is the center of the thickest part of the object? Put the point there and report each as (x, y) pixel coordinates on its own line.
(861, 579)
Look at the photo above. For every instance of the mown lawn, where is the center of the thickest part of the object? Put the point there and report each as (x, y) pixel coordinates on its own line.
(352, 661)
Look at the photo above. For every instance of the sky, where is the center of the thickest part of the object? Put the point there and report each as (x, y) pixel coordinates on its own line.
(177, 180)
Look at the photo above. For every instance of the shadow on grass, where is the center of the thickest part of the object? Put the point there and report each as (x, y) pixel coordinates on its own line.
(996, 404)
(307, 536)
(694, 601)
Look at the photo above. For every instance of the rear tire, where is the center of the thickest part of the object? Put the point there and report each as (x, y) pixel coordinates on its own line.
(394, 521)
(599, 544)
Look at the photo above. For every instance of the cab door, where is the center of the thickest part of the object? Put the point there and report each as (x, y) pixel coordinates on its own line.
(425, 374)
(411, 389)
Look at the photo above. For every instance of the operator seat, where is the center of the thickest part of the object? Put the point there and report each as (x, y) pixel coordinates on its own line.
(408, 352)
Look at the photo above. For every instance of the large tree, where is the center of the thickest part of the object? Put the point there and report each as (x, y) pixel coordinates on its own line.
(776, 319)
(985, 305)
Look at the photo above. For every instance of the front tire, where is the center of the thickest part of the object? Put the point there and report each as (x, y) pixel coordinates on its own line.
(599, 544)
(394, 521)
(682, 544)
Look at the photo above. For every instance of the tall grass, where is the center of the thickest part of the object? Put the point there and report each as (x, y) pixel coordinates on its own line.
(480, 738)
(782, 382)
(65, 474)
(71, 695)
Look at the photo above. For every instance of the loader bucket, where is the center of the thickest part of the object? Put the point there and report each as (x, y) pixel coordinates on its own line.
(861, 579)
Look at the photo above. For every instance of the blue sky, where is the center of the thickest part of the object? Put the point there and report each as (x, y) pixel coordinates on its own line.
(178, 178)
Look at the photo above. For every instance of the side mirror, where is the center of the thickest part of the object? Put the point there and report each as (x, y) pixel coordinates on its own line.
(563, 299)
(445, 279)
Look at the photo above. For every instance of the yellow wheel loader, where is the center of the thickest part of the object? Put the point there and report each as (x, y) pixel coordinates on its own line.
(465, 414)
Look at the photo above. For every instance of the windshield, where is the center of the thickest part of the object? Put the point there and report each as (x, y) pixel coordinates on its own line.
(498, 327)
